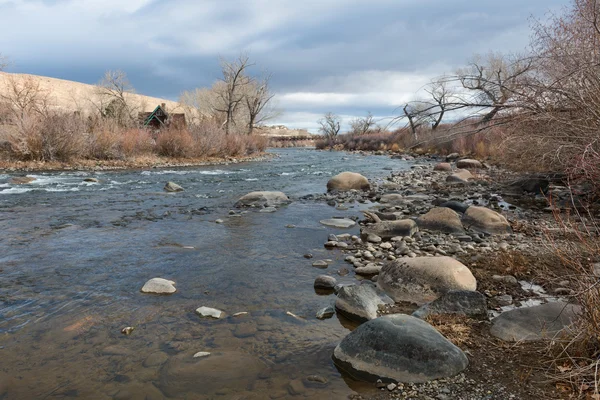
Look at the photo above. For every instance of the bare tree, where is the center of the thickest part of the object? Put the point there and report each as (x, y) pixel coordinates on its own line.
(25, 97)
(329, 126)
(362, 125)
(257, 98)
(417, 114)
(113, 91)
(441, 95)
(234, 79)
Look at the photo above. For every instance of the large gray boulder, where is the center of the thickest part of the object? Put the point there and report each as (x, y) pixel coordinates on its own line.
(348, 181)
(389, 229)
(423, 279)
(441, 219)
(359, 302)
(462, 302)
(459, 176)
(483, 219)
(262, 199)
(183, 374)
(534, 323)
(444, 166)
(398, 348)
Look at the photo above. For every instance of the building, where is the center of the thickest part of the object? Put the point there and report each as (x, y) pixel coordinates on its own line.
(160, 118)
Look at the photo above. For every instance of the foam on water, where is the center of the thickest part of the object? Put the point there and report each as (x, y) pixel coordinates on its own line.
(15, 190)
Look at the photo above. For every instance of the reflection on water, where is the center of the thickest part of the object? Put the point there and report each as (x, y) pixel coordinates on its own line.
(74, 256)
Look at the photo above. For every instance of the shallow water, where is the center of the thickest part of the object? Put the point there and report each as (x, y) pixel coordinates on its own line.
(74, 255)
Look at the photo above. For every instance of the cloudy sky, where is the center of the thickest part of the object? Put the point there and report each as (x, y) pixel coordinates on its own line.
(344, 56)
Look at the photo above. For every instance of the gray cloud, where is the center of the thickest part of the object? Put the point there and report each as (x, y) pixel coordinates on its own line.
(347, 56)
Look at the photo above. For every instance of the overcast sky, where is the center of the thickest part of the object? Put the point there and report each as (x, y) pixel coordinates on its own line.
(345, 56)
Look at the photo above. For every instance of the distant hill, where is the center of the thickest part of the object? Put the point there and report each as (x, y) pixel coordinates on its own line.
(68, 96)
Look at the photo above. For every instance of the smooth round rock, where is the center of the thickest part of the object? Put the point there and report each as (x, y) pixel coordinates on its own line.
(534, 323)
(441, 219)
(348, 181)
(398, 348)
(483, 219)
(359, 302)
(325, 282)
(420, 280)
(262, 199)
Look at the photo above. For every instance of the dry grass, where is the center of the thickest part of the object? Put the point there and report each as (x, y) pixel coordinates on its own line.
(454, 327)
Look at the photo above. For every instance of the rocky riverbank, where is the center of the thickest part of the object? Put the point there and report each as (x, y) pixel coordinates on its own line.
(463, 246)
(133, 163)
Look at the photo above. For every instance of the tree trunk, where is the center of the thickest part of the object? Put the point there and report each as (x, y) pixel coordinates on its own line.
(251, 125)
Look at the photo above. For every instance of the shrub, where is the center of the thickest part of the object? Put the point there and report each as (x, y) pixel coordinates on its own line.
(135, 142)
(174, 142)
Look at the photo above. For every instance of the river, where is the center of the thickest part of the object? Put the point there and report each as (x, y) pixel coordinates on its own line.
(74, 255)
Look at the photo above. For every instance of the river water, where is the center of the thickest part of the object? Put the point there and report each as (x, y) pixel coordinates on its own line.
(74, 255)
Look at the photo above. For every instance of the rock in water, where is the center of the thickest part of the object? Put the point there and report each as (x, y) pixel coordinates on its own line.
(91, 180)
(173, 187)
(348, 181)
(534, 323)
(389, 229)
(208, 312)
(359, 302)
(325, 282)
(338, 223)
(159, 286)
(463, 302)
(468, 163)
(483, 219)
(21, 180)
(184, 374)
(262, 199)
(423, 279)
(325, 313)
(398, 348)
(441, 219)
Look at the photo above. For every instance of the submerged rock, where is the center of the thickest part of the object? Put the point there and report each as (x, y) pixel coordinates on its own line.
(348, 181)
(398, 348)
(483, 219)
(262, 199)
(423, 279)
(173, 187)
(21, 180)
(159, 286)
(233, 370)
(326, 313)
(534, 323)
(338, 222)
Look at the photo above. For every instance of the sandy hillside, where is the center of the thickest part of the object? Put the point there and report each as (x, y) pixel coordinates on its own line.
(74, 96)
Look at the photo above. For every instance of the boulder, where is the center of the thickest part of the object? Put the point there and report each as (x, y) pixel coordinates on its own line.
(534, 323)
(359, 302)
(389, 229)
(94, 180)
(463, 302)
(21, 180)
(186, 376)
(481, 219)
(342, 223)
(424, 279)
(173, 187)
(159, 286)
(325, 282)
(348, 181)
(369, 269)
(460, 176)
(456, 206)
(443, 167)
(262, 199)
(441, 219)
(532, 184)
(398, 348)
(468, 163)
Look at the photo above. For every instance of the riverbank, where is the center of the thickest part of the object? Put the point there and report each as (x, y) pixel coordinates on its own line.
(516, 267)
(133, 163)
